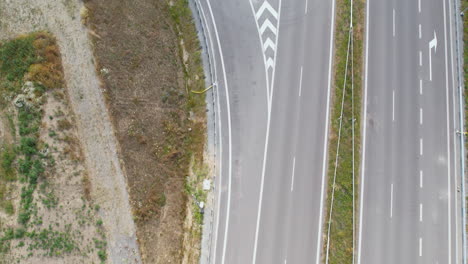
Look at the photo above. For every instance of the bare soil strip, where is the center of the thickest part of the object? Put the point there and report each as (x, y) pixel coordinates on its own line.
(148, 57)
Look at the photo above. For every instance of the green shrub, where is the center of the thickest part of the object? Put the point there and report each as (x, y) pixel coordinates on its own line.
(16, 56)
(102, 255)
(28, 146)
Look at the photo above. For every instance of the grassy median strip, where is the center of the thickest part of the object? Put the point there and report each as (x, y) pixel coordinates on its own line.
(339, 236)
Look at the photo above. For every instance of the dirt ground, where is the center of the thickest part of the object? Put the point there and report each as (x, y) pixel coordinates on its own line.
(94, 129)
(139, 58)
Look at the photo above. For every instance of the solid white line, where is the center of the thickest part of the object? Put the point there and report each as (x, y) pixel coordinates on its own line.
(269, 98)
(420, 212)
(420, 58)
(364, 120)
(420, 116)
(420, 33)
(393, 105)
(325, 134)
(215, 77)
(419, 6)
(448, 143)
(421, 146)
(229, 132)
(306, 4)
(420, 87)
(394, 22)
(391, 201)
(300, 84)
(421, 179)
(420, 247)
(292, 174)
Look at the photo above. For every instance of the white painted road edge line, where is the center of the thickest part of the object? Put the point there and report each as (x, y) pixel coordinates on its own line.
(420, 212)
(448, 140)
(292, 174)
(228, 107)
(300, 83)
(391, 200)
(325, 135)
(393, 105)
(364, 139)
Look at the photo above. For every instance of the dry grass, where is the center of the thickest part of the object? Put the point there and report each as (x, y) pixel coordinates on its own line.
(49, 70)
(147, 87)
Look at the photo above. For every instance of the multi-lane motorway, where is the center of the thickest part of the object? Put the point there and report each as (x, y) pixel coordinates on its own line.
(272, 63)
(409, 209)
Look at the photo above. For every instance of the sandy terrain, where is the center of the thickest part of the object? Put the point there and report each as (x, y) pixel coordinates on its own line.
(94, 129)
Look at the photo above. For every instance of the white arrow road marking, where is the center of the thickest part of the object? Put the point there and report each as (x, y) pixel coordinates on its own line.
(432, 44)
(267, 24)
(266, 6)
(269, 44)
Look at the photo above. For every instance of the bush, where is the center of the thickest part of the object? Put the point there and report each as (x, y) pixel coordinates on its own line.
(102, 255)
(28, 121)
(28, 146)
(16, 56)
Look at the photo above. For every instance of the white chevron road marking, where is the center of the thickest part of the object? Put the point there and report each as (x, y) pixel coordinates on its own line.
(267, 24)
(266, 6)
(270, 63)
(267, 20)
(269, 44)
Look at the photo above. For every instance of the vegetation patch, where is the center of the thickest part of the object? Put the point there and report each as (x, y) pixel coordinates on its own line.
(31, 71)
(346, 162)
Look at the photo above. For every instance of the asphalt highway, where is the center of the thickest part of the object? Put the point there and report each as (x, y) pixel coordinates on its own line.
(409, 204)
(272, 63)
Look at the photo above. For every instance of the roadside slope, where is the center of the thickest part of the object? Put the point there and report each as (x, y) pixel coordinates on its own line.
(95, 131)
(149, 60)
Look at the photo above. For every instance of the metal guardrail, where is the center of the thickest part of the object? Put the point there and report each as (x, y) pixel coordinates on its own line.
(461, 85)
(197, 14)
